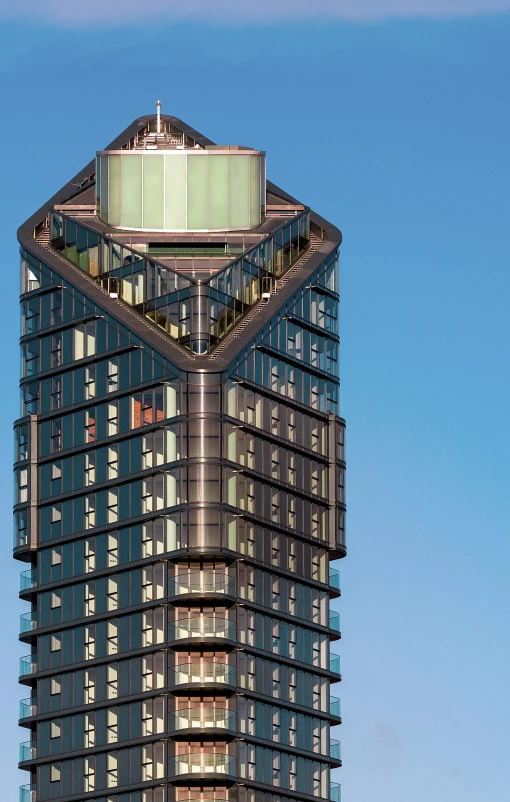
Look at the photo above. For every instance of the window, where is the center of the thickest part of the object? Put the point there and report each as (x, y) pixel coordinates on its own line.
(56, 435)
(55, 686)
(56, 642)
(112, 512)
(90, 468)
(55, 729)
(56, 350)
(90, 511)
(55, 772)
(275, 640)
(88, 774)
(90, 382)
(90, 425)
(112, 460)
(90, 642)
(22, 485)
(112, 772)
(56, 392)
(84, 340)
(112, 418)
(112, 593)
(89, 687)
(153, 672)
(112, 681)
(112, 637)
(112, 725)
(112, 375)
(153, 717)
(152, 762)
(291, 512)
(90, 598)
(113, 549)
(292, 631)
(56, 308)
(56, 599)
(89, 730)
(90, 555)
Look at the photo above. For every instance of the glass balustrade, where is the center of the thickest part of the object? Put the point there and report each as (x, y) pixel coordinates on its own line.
(27, 751)
(27, 793)
(334, 706)
(334, 749)
(27, 623)
(203, 627)
(200, 718)
(27, 666)
(27, 708)
(201, 764)
(334, 578)
(201, 583)
(334, 663)
(334, 621)
(27, 580)
(335, 792)
(202, 673)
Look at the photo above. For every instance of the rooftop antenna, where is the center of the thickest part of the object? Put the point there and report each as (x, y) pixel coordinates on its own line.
(158, 113)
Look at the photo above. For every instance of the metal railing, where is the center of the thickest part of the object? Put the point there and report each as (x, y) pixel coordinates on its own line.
(27, 751)
(202, 627)
(28, 580)
(27, 622)
(202, 673)
(189, 718)
(201, 583)
(27, 666)
(27, 708)
(201, 764)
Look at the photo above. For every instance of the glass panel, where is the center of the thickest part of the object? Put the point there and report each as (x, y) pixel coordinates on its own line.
(132, 191)
(114, 190)
(218, 192)
(198, 175)
(175, 192)
(255, 193)
(239, 167)
(153, 187)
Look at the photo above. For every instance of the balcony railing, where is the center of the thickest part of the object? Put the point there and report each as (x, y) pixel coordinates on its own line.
(27, 580)
(334, 706)
(27, 751)
(334, 621)
(335, 792)
(334, 579)
(203, 627)
(334, 663)
(335, 749)
(201, 764)
(27, 623)
(27, 666)
(27, 708)
(27, 793)
(200, 584)
(203, 673)
(201, 718)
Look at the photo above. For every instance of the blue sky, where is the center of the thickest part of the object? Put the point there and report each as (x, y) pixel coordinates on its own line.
(396, 129)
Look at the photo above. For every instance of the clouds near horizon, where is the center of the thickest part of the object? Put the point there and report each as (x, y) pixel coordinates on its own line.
(74, 13)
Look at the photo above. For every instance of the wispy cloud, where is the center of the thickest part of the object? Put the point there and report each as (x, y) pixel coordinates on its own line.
(75, 13)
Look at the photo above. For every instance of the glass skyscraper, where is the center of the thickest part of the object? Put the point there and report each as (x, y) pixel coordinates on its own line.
(179, 481)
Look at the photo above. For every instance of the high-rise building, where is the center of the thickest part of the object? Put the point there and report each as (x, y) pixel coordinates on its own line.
(179, 481)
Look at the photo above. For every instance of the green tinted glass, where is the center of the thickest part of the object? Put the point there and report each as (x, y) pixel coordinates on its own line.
(153, 186)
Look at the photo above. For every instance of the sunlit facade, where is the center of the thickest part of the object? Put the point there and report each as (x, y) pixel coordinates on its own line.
(179, 481)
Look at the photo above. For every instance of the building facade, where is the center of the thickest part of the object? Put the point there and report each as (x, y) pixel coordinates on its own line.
(179, 481)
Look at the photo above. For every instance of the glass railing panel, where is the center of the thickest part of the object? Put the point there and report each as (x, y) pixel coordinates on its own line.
(200, 584)
(334, 578)
(335, 706)
(203, 673)
(27, 708)
(334, 621)
(334, 663)
(27, 793)
(335, 792)
(27, 622)
(202, 627)
(28, 579)
(27, 666)
(334, 749)
(201, 764)
(189, 718)
(27, 751)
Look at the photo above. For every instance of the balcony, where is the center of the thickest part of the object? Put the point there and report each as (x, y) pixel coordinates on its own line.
(334, 707)
(27, 793)
(334, 623)
(201, 764)
(27, 580)
(335, 792)
(203, 674)
(335, 749)
(334, 664)
(202, 627)
(201, 584)
(202, 718)
(27, 709)
(27, 623)
(334, 582)
(27, 751)
(27, 666)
